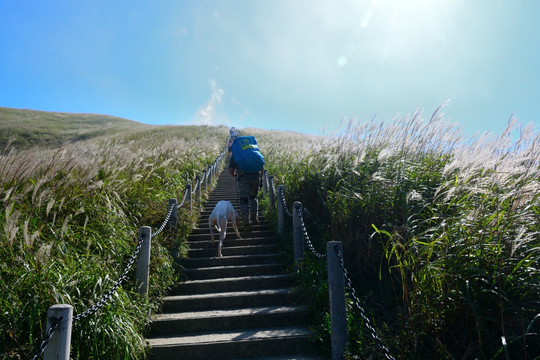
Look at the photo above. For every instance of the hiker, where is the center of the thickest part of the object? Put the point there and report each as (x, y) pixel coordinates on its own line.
(247, 163)
(229, 147)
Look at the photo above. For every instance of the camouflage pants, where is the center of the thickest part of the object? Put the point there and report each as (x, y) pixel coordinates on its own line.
(248, 188)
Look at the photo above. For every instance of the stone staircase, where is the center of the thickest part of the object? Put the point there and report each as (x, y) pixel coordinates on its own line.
(240, 306)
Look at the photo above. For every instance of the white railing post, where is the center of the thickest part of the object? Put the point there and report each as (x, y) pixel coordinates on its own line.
(60, 343)
(336, 294)
(143, 261)
(280, 210)
(298, 234)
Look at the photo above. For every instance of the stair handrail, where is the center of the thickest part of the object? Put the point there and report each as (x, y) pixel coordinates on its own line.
(335, 264)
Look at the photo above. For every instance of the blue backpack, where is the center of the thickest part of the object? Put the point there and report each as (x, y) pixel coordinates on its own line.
(246, 154)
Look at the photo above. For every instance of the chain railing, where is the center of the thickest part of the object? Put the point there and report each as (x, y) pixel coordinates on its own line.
(356, 301)
(283, 202)
(96, 307)
(166, 221)
(208, 176)
(105, 299)
(308, 240)
(281, 198)
(47, 339)
(301, 236)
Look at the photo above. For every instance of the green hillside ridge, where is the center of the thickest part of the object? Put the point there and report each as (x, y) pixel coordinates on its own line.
(28, 128)
(73, 212)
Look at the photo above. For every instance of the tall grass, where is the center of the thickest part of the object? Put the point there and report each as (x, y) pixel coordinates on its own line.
(69, 223)
(440, 232)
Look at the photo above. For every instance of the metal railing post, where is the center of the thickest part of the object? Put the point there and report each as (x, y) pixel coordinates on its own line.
(60, 342)
(271, 189)
(143, 261)
(265, 182)
(172, 224)
(280, 211)
(205, 179)
(188, 196)
(210, 176)
(336, 294)
(298, 234)
(198, 181)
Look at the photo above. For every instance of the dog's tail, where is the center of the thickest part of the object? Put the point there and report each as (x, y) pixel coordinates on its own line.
(217, 227)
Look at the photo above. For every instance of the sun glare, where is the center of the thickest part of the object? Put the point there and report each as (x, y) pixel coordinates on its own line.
(413, 26)
(401, 28)
(386, 30)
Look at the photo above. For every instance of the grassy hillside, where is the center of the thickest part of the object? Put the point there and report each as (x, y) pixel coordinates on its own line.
(27, 128)
(69, 223)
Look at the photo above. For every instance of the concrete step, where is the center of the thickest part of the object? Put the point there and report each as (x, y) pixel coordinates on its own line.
(233, 250)
(202, 221)
(208, 208)
(285, 357)
(220, 193)
(244, 283)
(211, 203)
(229, 344)
(223, 193)
(203, 273)
(227, 300)
(229, 260)
(205, 242)
(256, 232)
(227, 191)
(225, 319)
(203, 227)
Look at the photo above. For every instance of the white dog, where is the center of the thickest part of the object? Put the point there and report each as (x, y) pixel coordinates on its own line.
(223, 212)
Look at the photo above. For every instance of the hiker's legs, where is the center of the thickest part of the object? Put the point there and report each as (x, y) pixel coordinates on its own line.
(243, 194)
(244, 211)
(248, 188)
(253, 202)
(253, 210)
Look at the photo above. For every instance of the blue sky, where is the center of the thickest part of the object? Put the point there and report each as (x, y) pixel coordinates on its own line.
(301, 65)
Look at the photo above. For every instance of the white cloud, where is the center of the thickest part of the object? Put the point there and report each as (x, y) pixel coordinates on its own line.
(207, 113)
